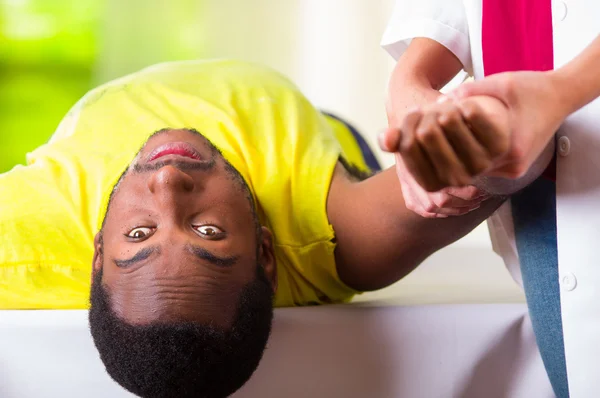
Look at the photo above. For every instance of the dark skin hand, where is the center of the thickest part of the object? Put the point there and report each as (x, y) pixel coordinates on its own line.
(448, 143)
(420, 72)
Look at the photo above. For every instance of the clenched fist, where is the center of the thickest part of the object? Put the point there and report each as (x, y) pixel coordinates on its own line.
(450, 142)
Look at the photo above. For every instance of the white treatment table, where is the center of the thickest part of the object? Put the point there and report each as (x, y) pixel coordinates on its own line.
(457, 350)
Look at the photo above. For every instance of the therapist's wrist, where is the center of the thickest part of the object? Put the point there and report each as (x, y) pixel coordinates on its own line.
(572, 93)
(569, 92)
(578, 81)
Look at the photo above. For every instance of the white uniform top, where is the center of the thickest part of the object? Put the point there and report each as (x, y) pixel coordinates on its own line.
(576, 23)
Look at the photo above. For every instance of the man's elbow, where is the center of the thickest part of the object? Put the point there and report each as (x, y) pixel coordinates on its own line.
(371, 275)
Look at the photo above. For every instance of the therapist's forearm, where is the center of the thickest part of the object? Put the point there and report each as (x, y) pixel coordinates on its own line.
(579, 80)
(420, 73)
(406, 91)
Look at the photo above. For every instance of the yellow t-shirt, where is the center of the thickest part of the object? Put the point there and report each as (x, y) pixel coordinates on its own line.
(286, 150)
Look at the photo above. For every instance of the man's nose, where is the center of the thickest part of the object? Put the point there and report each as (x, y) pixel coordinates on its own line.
(169, 180)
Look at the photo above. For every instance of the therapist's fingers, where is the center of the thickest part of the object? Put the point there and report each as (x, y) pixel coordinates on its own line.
(438, 203)
(446, 200)
(427, 204)
(468, 193)
(492, 86)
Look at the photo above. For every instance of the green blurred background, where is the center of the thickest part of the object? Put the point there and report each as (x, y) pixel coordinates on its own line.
(53, 51)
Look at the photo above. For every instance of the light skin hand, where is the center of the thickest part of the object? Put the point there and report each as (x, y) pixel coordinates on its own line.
(422, 70)
(535, 114)
(455, 201)
(538, 103)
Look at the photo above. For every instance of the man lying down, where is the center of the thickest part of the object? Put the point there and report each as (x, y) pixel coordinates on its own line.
(203, 194)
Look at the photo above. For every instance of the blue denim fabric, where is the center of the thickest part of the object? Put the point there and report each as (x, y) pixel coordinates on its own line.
(534, 214)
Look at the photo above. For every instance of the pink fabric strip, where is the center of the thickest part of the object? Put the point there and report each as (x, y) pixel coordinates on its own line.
(517, 35)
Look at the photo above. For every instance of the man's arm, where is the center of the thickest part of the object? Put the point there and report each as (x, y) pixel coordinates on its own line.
(379, 240)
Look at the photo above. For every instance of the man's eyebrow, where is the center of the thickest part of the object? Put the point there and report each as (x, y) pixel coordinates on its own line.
(204, 254)
(141, 255)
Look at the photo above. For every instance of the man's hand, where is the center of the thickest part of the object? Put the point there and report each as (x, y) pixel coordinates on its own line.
(449, 143)
(535, 112)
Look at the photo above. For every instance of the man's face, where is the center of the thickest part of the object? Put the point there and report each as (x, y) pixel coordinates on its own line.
(180, 235)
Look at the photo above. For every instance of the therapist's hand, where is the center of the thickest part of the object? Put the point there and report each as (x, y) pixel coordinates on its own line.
(441, 204)
(535, 110)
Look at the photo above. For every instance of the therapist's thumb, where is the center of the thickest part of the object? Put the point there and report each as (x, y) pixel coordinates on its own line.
(490, 86)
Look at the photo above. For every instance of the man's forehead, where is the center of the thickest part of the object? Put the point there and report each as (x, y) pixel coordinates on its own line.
(149, 296)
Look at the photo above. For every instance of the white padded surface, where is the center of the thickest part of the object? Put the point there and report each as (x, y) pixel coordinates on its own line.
(336, 351)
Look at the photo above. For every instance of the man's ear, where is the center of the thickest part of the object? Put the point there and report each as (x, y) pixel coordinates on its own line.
(266, 257)
(98, 255)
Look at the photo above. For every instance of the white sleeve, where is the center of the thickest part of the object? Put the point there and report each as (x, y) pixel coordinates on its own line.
(444, 21)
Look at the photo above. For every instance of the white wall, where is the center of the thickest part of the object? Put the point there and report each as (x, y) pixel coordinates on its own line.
(330, 48)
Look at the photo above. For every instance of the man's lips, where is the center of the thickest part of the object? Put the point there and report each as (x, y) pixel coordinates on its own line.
(175, 148)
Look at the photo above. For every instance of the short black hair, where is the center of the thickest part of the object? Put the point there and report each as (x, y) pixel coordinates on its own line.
(183, 359)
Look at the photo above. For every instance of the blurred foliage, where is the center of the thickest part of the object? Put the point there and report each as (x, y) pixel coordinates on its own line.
(47, 52)
(53, 51)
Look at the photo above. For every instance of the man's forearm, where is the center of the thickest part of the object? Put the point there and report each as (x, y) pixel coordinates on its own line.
(379, 240)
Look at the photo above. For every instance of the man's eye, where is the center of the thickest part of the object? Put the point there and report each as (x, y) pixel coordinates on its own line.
(209, 231)
(139, 233)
